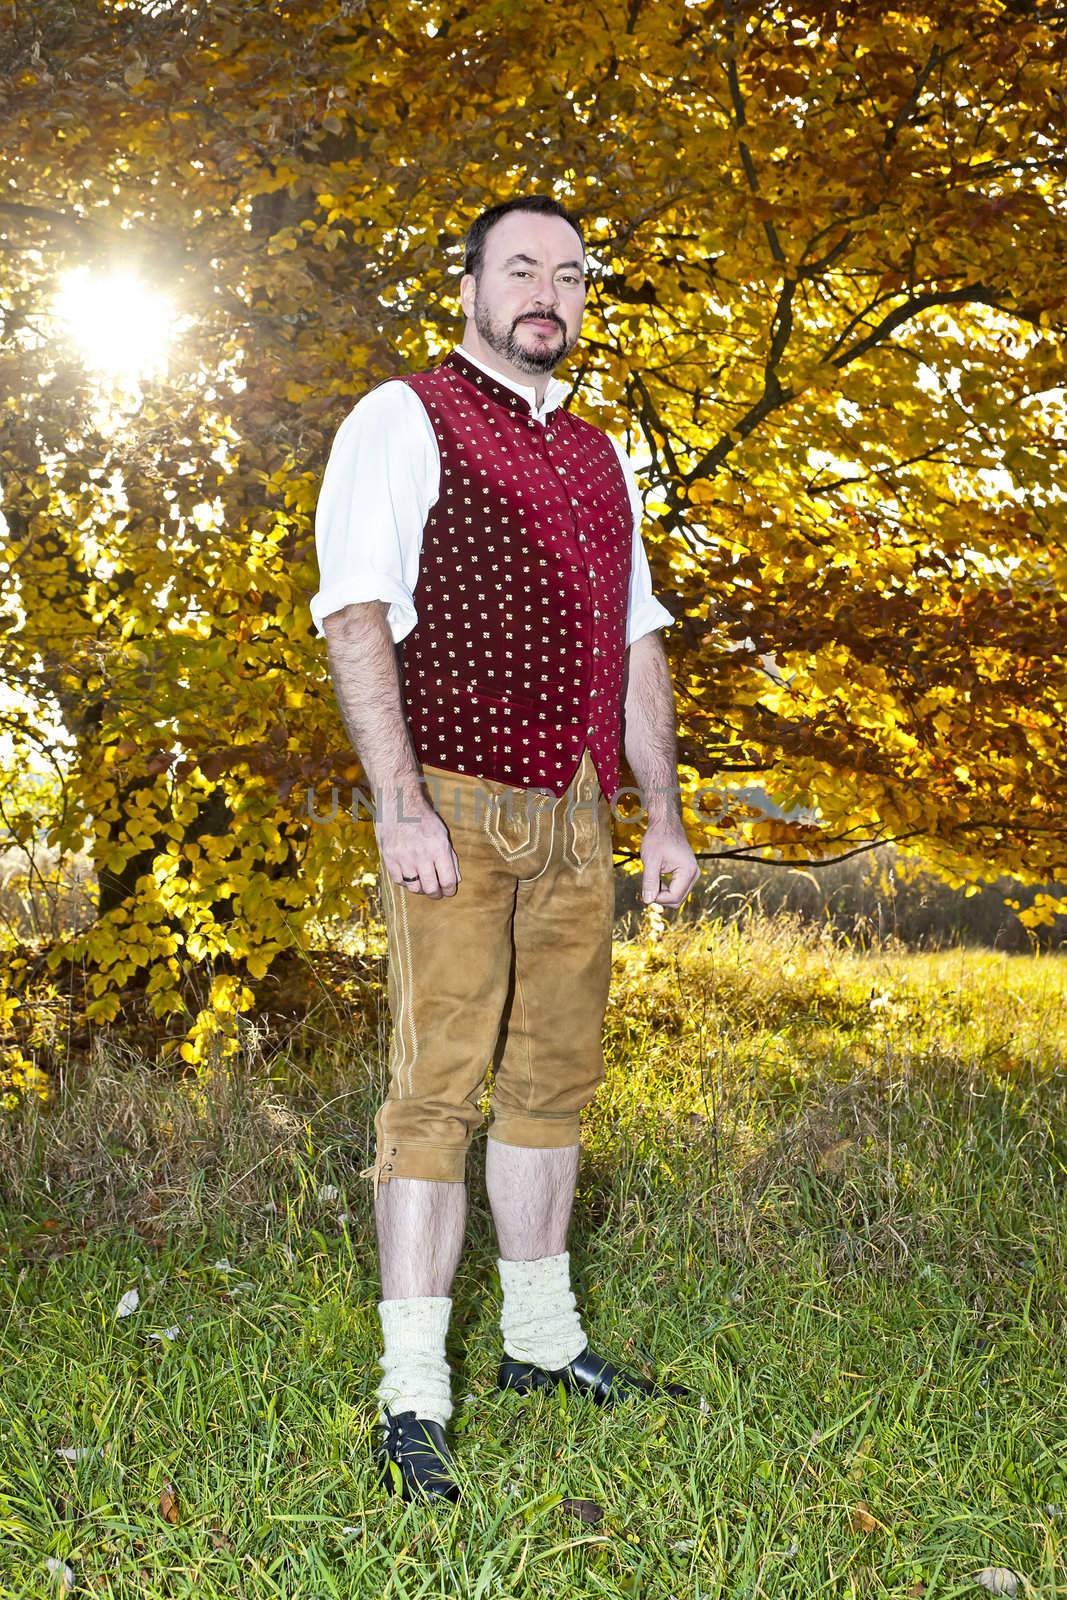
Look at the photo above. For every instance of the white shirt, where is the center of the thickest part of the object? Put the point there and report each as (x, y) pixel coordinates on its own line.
(381, 481)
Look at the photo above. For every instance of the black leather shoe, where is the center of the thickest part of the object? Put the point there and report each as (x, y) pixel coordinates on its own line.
(586, 1374)
(416, 1445)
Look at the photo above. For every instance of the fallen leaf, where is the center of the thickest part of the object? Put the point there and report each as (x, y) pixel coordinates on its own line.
(862, 1521)
(584, 1510)
(998, 1580)
(168, 1503)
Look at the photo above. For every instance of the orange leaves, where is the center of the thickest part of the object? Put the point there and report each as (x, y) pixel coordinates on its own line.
(168, 1504)
(862, 1519)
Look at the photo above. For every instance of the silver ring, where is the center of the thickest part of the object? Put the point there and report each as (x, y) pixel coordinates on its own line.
(413, 879)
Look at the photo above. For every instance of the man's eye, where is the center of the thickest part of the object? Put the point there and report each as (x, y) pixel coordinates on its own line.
(519, 272)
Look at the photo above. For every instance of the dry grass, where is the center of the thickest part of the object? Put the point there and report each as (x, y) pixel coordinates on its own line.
(739, 1054)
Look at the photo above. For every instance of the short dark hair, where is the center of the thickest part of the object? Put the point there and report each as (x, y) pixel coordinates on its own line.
(474, 252)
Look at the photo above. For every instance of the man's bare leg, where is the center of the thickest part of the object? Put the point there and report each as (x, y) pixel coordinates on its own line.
(531, 1193)
(421, 1224)
(421, 1227)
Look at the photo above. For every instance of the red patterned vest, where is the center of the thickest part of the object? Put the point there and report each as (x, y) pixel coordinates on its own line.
(515, 664)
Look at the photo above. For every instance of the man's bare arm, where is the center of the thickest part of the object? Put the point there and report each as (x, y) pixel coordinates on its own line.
(412, 839)
(650, 743)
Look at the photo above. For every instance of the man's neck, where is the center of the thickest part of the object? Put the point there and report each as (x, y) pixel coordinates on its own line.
(538, 381)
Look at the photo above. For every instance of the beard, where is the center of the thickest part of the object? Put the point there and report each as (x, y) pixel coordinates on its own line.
(517, 347)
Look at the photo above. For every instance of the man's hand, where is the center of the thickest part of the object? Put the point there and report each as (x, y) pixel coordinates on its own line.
(415, 848)
(665, 849)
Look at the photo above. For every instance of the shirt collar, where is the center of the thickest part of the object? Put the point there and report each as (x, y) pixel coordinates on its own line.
(555, 391)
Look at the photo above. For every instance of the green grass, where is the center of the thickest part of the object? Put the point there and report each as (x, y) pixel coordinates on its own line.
(843, 1224)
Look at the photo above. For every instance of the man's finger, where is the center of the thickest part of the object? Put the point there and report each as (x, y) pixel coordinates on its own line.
(417, 880)
(675, 895)
(447, 876)
(651, 887)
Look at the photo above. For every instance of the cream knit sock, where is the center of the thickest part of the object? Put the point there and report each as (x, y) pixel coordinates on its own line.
(416, 1372)
(540, 1320)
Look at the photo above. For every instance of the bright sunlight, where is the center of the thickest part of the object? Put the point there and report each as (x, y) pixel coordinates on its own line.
(121, 326)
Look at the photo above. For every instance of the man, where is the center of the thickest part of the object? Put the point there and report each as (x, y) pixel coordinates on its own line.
(468, 518)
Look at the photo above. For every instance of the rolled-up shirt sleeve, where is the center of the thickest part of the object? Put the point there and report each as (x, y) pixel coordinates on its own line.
(644, 612)
(380, 483)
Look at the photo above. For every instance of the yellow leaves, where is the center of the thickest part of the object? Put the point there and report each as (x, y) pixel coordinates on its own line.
(214, 1032)
(269, 182)
(231, 630)
(780, 831)
(1044, 912)
(19, 1076)
(104, 1009)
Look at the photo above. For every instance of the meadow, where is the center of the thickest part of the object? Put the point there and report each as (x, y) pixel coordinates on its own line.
(821, 1184)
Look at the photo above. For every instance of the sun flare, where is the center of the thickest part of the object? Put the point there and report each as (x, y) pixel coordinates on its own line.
(120, 325)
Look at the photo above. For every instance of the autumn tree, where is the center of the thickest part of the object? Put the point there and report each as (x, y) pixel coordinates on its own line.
(826, 315)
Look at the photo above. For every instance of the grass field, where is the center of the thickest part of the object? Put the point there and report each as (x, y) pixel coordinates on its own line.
(824, 1187)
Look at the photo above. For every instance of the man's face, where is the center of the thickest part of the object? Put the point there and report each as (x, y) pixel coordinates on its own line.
(528, 305)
